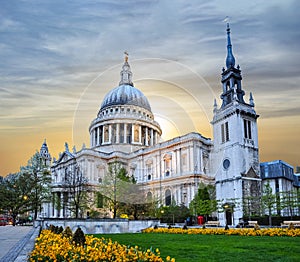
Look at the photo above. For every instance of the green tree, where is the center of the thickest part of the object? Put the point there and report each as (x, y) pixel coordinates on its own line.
(134, 202)
(204, 203)
(39, 179)
(121, 191)
(268, 201)
(15, 195)
(173, 213)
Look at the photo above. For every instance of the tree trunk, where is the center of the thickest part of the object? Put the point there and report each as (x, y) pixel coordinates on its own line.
(115, 211)
(76, 211)
(35, 213)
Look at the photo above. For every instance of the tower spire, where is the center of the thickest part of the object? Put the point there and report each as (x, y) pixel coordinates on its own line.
(230, 60)
(231, 76)
(126, 74)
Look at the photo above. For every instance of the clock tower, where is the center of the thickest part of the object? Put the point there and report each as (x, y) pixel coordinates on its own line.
(235, 145)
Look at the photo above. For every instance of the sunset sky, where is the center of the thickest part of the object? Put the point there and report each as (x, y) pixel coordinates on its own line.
(58, 59)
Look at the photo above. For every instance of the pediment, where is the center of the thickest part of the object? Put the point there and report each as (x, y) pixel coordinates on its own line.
(251, 174)
(65, 156)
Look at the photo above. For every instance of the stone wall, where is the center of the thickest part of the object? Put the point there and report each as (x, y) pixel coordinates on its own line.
(100, 226)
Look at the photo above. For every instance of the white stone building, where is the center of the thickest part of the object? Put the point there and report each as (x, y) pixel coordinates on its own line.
(125, 129)
(280, 176)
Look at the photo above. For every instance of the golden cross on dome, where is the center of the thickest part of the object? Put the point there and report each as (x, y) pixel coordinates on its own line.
(226, 20)
(126, 56)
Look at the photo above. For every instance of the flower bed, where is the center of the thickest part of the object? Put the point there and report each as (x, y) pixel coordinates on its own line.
(231, 231)
(51, 246)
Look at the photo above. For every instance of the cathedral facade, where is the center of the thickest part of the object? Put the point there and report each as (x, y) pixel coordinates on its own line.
(125, 130)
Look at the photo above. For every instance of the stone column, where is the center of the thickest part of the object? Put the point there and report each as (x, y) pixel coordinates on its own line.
(98, 135)
(62, 204)
(117, 133)
(109, 133)
(91, 139)
(151, 137)
(146, 136)
(103, 133)
(53, 214)
(140, 134)
(125, 133)
(132, 133)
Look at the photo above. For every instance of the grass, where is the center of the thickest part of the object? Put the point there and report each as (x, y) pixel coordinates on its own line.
(215, 247)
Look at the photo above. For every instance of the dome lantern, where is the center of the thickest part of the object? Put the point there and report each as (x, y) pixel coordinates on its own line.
(126, 74)
(125, 93)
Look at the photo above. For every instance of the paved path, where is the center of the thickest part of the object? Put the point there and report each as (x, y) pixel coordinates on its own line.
(14, 241)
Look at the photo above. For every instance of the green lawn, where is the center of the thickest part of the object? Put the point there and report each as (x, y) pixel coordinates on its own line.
(216, 247)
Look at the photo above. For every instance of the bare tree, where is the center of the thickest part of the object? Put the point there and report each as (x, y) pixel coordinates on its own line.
(268, 201)
(77, 187)
(289, 202)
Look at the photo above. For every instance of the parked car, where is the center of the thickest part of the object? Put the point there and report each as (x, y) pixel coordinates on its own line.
(3, 221)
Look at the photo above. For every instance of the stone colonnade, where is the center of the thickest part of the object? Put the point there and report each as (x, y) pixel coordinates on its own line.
(123, 133)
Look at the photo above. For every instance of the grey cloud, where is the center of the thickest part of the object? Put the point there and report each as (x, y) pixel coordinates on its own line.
(273, 113)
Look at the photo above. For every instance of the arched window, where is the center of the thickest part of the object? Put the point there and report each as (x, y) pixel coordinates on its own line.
(168, 197)
(168, 163)
(227, 85)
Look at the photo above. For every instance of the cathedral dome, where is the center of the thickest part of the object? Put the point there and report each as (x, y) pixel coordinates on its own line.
(125, 121)
(126, 94)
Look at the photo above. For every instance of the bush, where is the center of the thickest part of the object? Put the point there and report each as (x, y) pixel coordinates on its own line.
(79, 237)
(256, 227)
(60, 230)
(67, 233)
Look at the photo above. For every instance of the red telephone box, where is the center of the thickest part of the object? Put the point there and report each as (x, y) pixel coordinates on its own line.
(200, 220)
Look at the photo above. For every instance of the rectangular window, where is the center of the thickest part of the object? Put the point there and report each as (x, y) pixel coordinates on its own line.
(247, 129)
(225, 132)
(184, 160)
(149, 168)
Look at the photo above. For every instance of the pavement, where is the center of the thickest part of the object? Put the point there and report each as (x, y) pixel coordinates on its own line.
(16, 242)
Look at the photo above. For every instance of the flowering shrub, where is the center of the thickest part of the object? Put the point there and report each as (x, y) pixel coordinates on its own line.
(231, 231)
(53, 247)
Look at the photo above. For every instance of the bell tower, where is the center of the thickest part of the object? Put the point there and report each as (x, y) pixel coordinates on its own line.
(235, 143)
(45, 155)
